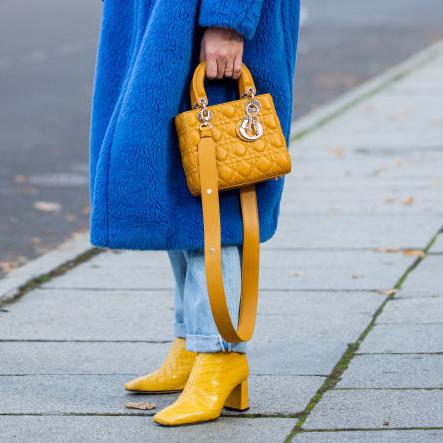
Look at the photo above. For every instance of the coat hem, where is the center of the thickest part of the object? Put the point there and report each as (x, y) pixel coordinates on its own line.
(135, 243)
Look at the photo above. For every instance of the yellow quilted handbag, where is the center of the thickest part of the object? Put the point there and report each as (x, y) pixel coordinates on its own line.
(226, 146)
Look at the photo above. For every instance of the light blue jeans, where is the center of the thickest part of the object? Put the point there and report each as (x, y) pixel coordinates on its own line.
(193, 316)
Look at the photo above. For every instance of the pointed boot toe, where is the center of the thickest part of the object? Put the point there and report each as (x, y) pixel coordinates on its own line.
(134, 385)
(183, 413)
(170, 377)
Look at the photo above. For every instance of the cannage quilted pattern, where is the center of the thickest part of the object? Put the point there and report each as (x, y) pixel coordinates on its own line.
(239, 162)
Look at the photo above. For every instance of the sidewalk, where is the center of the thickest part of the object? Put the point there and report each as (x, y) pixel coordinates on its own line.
(336, 357)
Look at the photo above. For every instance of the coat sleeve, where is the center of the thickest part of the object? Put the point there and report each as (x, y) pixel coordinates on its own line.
(240, 15)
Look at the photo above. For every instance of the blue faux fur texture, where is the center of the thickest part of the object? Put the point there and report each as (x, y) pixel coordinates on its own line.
(148, 50)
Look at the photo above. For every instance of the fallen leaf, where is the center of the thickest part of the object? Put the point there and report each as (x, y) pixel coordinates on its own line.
(142, 405)
(6, 266)
(414, 253)
(408, 201)
(47, 206)
(20, 179)
(388, 292)
(338, 152)
(389, 200)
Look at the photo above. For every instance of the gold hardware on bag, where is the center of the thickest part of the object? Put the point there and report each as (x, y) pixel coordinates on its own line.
(226, 146)
(250, 121)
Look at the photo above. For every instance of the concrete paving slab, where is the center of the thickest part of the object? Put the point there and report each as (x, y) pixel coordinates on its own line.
(362, 185)
(281, 269)
(367, 202)
(383, 436)
(294, 355)
(318, 338)
(327, 269)
(392, 108)
(372, 172)
(413, 310)
(365, 409)
(393, 371)
(76, 358)
(382, 160)
(90, 315)
(404, 338)
(344, 231)
(335, 137)
(336, 270)
(105, 429)
(428, 276)
(104, 394)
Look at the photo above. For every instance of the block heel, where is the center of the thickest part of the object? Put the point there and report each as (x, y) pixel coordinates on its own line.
(238, 398)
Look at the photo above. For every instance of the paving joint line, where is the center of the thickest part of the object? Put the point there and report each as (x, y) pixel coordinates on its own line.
(390, 389)
(38, 374)
(135, 414)
(399, 353)
(144, 290)
(341, 366)
(41, 279)
(414, 428)
(434, 323)
(37, 340)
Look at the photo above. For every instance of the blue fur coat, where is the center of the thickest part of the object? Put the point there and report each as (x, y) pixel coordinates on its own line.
(147, 53)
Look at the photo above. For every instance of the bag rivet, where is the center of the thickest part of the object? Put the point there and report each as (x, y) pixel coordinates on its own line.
(209, 191)
(212, 250)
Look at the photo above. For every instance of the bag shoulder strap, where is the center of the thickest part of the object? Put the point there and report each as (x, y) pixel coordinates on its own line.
(212, 240)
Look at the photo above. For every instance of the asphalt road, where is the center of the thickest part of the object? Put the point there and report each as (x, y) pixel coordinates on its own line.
(47, 52)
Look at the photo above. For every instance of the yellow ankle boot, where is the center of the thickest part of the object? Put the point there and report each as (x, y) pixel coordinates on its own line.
(171, 376)
(217, 380)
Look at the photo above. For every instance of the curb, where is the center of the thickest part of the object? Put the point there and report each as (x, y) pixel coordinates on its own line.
(15, 282)
(324, 114)
(78, 249)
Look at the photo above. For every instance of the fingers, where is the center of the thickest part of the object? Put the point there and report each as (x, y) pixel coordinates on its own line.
(229, 67)
(223, 51)
(211, 68)
(237, 67)
(223, 66)
(221, 63)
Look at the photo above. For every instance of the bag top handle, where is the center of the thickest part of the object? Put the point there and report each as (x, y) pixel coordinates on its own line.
(198, 83)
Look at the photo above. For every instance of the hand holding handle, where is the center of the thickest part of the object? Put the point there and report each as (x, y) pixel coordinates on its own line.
(198, 83)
